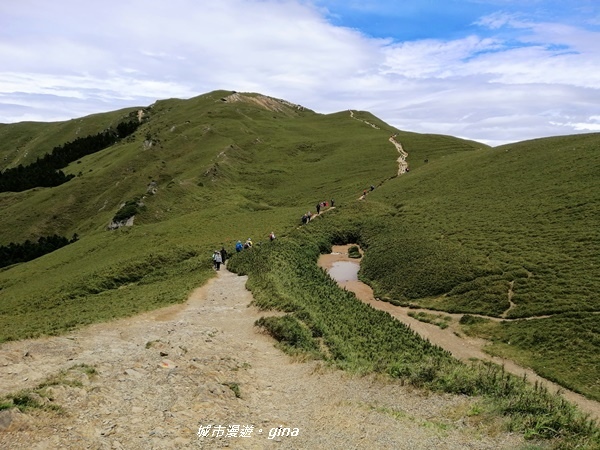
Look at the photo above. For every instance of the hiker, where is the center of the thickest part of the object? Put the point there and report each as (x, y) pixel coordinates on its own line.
(318, 208)
(217, 260)
(223, 254)
(332, 203)
(248, 243)
(372, 188)
(238, 246)
(272, 236)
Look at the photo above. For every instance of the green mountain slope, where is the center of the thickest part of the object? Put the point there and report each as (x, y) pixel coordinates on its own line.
(22, 143)
(225, 166)
(469, 229)
(508, 232)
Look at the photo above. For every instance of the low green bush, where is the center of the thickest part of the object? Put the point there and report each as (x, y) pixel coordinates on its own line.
(290, 332)
(129, 209)
(354, 252)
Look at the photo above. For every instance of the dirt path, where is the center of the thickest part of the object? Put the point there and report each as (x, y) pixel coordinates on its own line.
(511, 304)
(163, 374)
(402, 163)
(463, 348)
(363, 121)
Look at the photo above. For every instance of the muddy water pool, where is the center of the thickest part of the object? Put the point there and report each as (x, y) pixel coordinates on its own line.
(342, 271)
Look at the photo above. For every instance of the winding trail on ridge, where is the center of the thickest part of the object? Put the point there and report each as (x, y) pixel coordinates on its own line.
(402, 163)
(162, 374)
(463, 348)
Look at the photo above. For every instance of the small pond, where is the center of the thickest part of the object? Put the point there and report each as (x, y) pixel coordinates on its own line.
(342, 271)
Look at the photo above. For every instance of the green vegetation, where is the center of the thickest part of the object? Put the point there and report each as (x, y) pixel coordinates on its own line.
(491, 225)
(223, 172)
(45, 171)
(440, 320)
(562, 348)
(129, 209)
(283, 275)
(14, 253)
(235, 388)
(291, 333)
(508, 232)
(354, 252)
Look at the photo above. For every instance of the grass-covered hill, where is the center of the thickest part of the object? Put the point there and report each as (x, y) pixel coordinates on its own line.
(510, 232)
(225, 167)
(505, 233)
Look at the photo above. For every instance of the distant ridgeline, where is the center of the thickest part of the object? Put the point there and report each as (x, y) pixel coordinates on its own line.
(45, 172)
(17, 253)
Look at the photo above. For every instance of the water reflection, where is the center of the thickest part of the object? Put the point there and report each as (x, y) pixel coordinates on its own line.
(342, 271)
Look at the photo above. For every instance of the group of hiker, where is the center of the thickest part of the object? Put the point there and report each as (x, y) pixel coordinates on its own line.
(308, 216)
(220, 256)
(364, 194)
(239, 246)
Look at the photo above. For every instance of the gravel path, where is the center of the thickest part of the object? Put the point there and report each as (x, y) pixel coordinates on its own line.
(162, 375)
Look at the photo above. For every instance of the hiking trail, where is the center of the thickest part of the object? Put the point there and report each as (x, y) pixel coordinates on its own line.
(163, 374)
(402, 163)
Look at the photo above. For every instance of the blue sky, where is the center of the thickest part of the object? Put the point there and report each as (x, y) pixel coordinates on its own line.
(495, 71)
(450, 19)
(407, 20)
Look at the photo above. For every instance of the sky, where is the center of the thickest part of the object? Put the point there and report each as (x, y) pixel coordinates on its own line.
(495, 71)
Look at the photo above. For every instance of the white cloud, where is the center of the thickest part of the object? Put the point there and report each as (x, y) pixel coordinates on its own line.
(515, 79)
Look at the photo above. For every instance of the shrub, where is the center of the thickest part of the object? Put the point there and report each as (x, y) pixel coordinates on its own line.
(290, 332)
(354, 252)
(129, 209)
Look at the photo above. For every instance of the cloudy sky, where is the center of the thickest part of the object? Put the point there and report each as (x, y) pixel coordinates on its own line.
(491, 70)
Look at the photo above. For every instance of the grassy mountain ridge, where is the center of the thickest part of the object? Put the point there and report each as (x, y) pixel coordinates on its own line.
(510, 233)
(529, 209)
(224, 170)
(22, 143)
(201, 147)
(470, 229)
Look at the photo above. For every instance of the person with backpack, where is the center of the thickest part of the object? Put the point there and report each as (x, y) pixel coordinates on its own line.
(224, 254)
(239, 247)
(217, 260)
